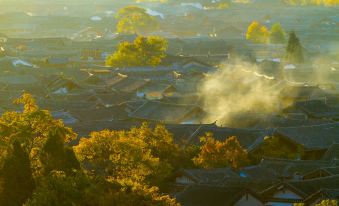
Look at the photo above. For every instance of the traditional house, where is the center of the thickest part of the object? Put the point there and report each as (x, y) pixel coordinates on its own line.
(167, 113)
(291, 169)
(226, 176)
(323, 194)
(123, 83)
(156, 91)
(322, 172)
(207, 195)
(332, 153)
(248, 138)
(195, 65)
(289, 193)
(204, 176)
(60, 62)
(94, 80)
(66, 117)
(59, 84)
(113, 113)
(292, 93)
(318, 109)
(314, 140)
(20, 81)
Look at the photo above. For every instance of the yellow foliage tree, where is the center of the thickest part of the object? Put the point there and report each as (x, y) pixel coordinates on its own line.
(135, 159)
(31, 127)
(257, 33)
(144, 51)
(135, 20)
(328, 203)
(217, 154)
(313, 2)
(122, 157)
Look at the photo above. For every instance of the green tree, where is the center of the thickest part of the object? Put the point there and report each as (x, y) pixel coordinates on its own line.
(257, 33)
(56, 156)
(217, 154)
(31, 127)
(135, 20)
(274, 147)
(16, 177)
(144, 51)
(294, 50)
(59, 189)
(277, 34)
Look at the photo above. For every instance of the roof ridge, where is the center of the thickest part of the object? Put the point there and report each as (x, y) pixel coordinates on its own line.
(315, 179)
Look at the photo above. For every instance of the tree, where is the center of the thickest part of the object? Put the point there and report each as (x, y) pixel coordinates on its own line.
(217, 154)
(59, 189)
(275, 147)
(294, 51)
(257, 33)
(313, 2)
(142, 195)
(121, 158)
(125, 158)
(56, 156)
(135, 20)
(16, 177)
(31, 127)
(160, 142)
(144, 51)
(277, 34)
(328, 203)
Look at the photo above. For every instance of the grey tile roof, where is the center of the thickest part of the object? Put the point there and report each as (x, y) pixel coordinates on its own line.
(317, 137)
(165, 112)
(286, 168)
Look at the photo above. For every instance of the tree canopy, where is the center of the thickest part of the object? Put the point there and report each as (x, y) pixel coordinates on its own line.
(257, 33)
(37, 168)
(217, 154)
(16, 179)
(312, 2)
(277, 34)
(144, 51)
(294, 50)
(328, 203)
(135, 20)
(276, 148)
(31, 127)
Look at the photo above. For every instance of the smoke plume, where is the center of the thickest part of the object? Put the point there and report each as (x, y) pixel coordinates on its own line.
(237, 90)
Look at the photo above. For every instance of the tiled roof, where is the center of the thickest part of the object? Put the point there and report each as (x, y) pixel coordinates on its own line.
(311, 186)
(317, 137)
(318, 109)
(286, 168)
(164, 112)
(212, 195)
(332, 153)
(305, 188)
(206, 195)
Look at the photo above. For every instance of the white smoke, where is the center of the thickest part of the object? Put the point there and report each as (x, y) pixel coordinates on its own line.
(237, 89)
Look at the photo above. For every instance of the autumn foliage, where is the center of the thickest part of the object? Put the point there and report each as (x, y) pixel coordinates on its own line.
(257, 33)
(144, 51)
(135, 20)
(122, 168)
(217, 154)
